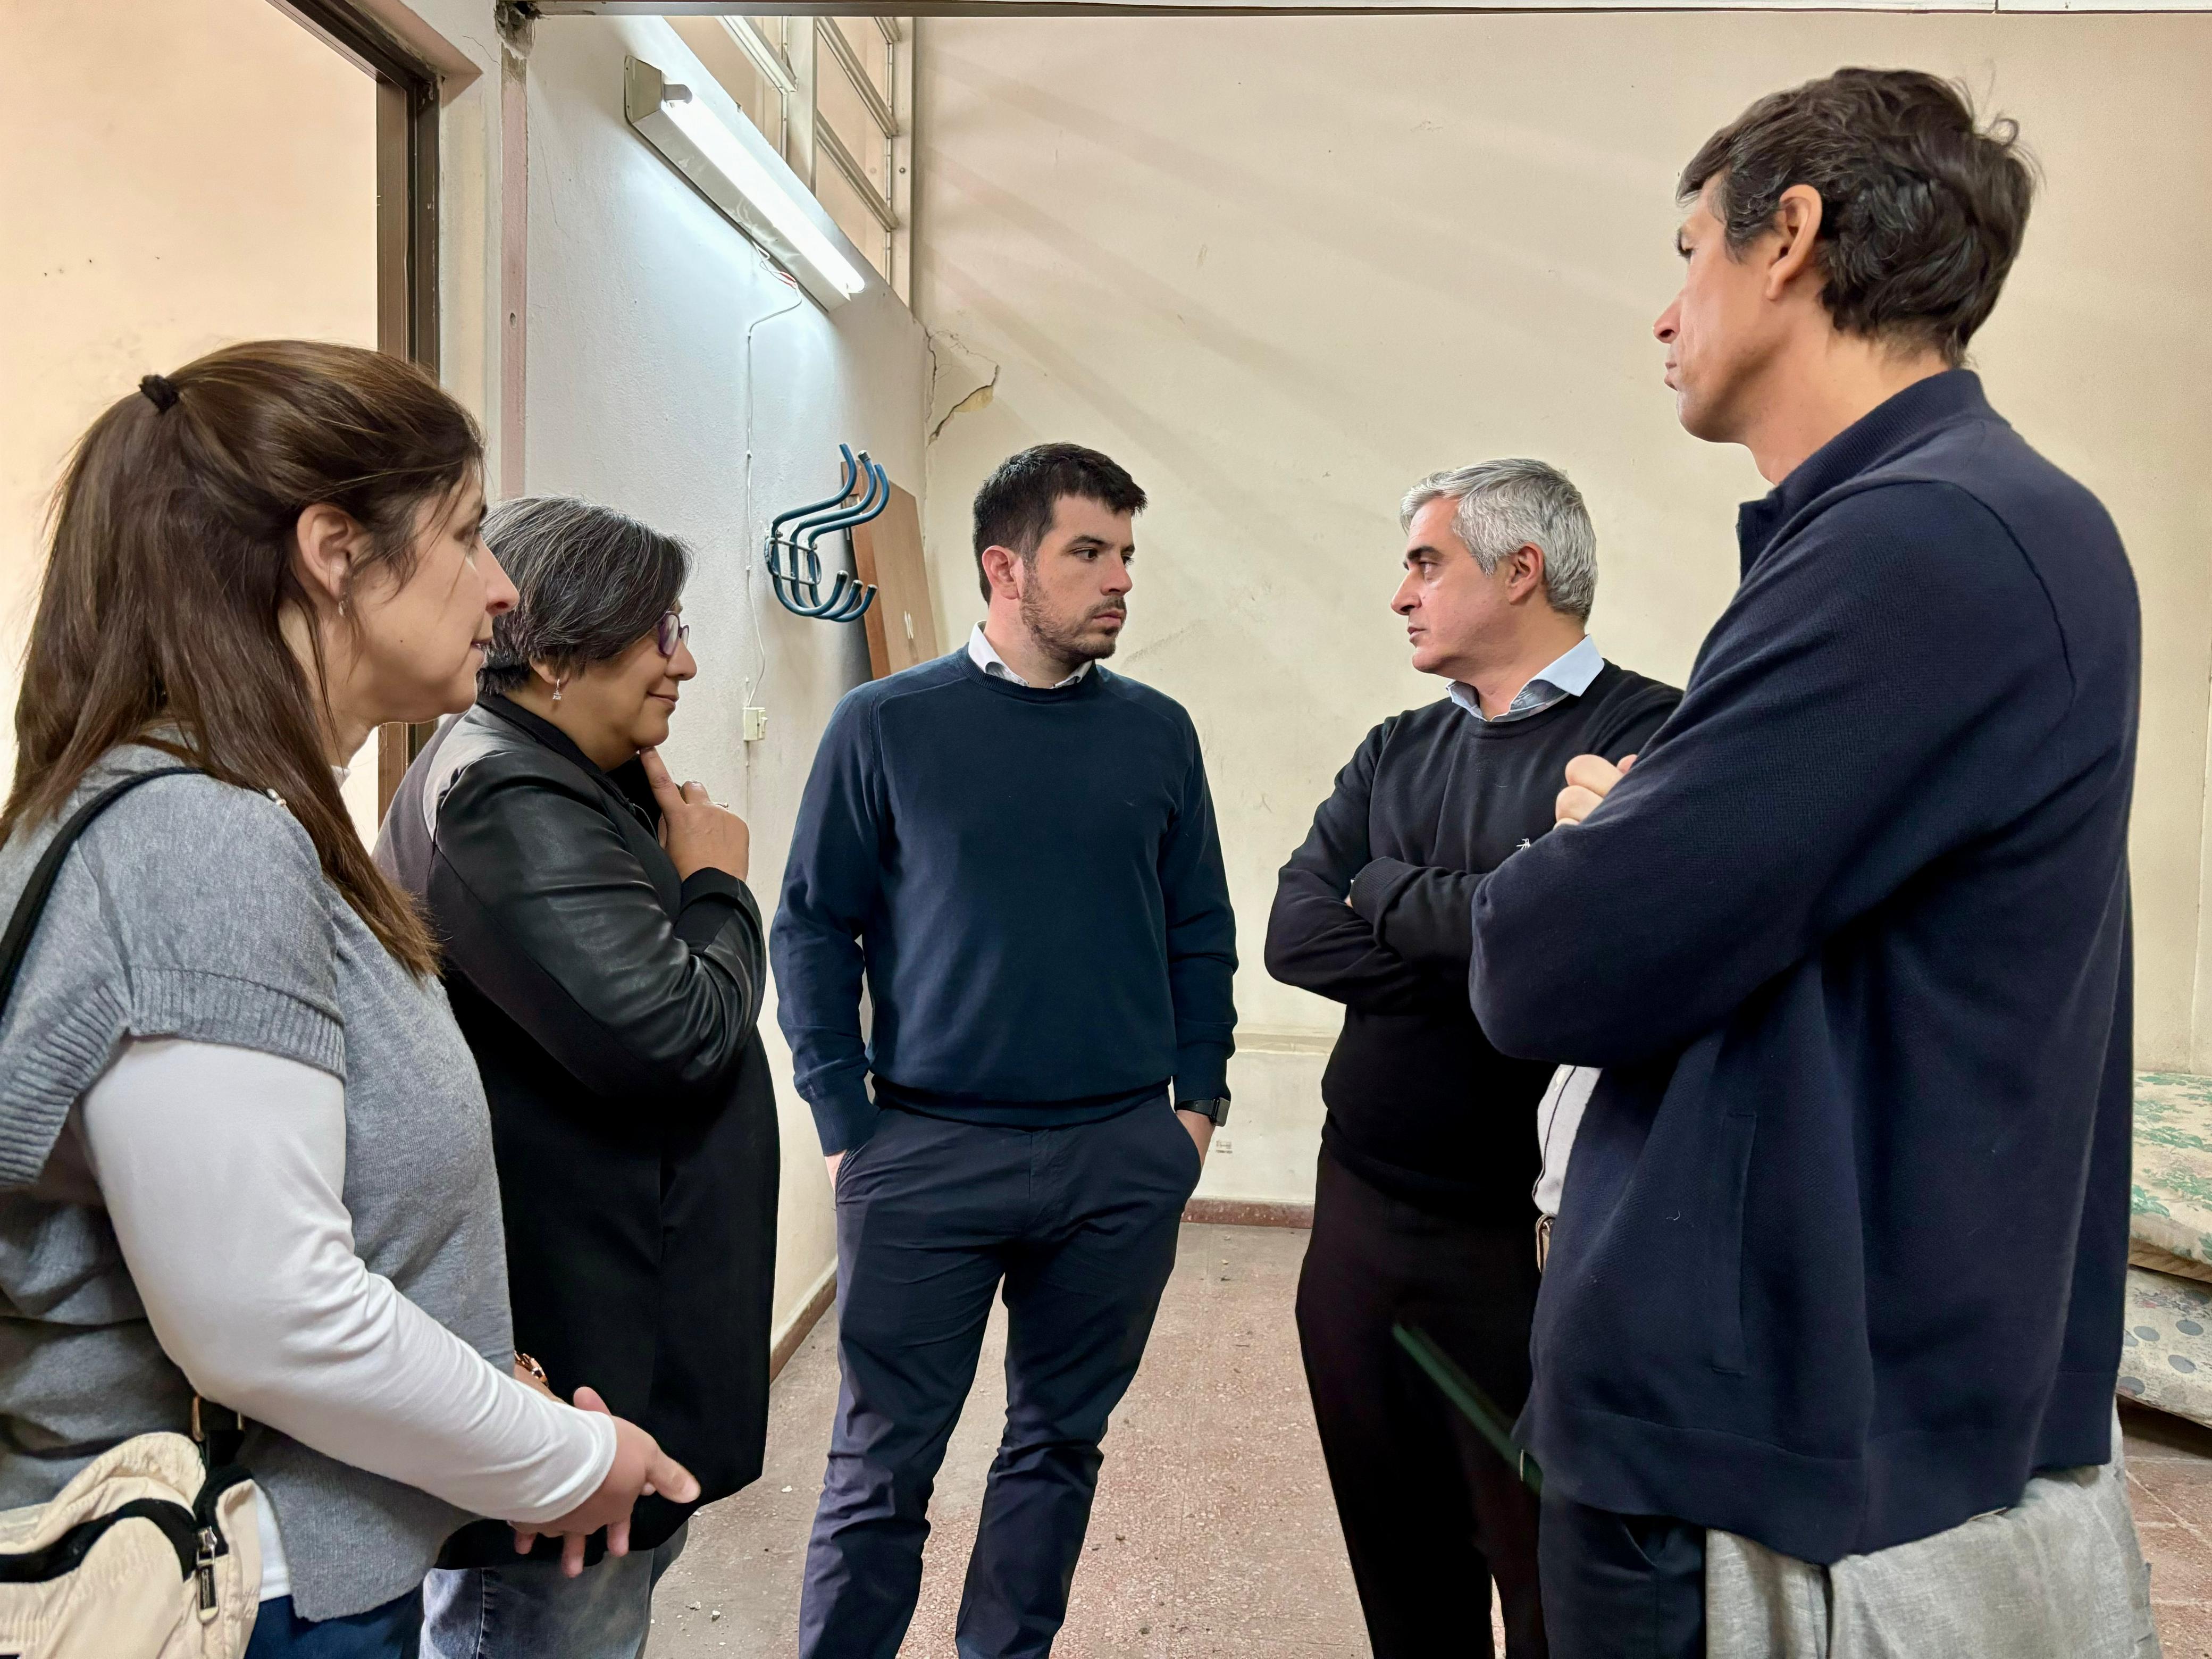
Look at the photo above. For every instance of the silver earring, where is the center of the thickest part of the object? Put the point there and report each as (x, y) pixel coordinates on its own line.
(558, 684)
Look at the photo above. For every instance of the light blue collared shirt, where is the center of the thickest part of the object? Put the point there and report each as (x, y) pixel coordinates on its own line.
(1568, 675)
(985, 656)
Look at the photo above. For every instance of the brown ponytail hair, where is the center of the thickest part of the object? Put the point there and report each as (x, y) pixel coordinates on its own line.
(170, 564)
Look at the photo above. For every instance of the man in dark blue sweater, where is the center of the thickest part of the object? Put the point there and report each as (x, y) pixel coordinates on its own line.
(1015, 848)
(1838, 1264)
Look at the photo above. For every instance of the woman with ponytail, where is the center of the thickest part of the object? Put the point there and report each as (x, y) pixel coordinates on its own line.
(243, 1152)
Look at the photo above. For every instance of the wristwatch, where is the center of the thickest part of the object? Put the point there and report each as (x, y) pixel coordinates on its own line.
(1215, 1112)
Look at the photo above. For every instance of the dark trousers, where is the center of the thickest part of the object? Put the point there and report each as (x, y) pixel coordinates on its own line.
(393, 1631)
(1621, 1586)
(1079, 1226)
(1431, 1510)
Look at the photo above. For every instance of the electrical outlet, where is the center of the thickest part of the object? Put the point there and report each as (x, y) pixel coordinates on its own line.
(1221, 1143)
(755, 724)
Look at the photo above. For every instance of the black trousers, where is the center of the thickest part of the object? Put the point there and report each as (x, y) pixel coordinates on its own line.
(1431, 1512)
(1622, 1586)
(1076, 1229)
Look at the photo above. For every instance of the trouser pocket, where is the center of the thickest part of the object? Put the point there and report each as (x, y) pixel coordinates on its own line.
(1195, 1160)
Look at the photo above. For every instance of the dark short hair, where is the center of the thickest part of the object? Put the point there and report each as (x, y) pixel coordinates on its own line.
(592, 582)
(1014, 506)
(1922, 208)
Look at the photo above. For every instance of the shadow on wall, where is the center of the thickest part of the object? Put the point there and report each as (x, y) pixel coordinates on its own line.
(1280, 268)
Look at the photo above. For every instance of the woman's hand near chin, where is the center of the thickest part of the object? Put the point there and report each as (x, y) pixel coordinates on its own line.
(698, 834)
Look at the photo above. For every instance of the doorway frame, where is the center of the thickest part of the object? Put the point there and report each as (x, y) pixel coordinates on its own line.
(407, 103)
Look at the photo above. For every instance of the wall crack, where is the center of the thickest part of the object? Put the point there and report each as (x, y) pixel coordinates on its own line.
(965, 368)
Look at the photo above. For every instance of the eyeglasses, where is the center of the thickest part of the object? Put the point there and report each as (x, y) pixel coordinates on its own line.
(672, 631)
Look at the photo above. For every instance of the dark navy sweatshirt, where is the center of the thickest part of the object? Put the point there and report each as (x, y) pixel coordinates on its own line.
(1031, 882)
(1839, 1260)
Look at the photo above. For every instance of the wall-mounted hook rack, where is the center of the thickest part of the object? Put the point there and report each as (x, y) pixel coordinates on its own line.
(795, 558)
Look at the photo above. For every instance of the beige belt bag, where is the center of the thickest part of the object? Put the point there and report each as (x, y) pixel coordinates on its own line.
(145, 1555)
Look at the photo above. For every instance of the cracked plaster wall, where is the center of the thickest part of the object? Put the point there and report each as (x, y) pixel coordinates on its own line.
(1282, 268)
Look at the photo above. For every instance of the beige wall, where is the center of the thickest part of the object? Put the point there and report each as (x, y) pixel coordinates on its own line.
(181, 173)
(1282, 267)
(214, 162)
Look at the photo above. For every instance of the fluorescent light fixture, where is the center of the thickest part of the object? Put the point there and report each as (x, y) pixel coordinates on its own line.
(747, 180)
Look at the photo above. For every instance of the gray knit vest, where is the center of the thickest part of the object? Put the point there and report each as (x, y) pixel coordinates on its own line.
(196, 910)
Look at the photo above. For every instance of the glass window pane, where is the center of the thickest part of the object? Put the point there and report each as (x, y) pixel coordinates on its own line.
(771, 30)
(733, 66)
(836, 193)
(839, 106)
(871, 48)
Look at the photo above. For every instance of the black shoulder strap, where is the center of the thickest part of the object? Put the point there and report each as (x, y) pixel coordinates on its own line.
(15, 944)
(216, 1429)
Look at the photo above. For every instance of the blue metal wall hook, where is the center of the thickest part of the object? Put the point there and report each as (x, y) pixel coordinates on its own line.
(794, 556)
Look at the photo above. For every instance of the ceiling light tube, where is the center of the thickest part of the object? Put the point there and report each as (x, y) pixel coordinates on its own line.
(740, 179)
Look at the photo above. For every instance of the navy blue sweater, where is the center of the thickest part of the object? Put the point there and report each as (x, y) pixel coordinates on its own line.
(1033, 882)
(1839, 1261)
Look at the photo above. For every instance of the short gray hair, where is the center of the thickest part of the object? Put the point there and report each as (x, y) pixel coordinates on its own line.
(1504, 505)
(592, 582)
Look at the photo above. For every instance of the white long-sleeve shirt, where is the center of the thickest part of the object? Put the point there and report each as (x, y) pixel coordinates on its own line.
(223, 1170)
(1558, 1121)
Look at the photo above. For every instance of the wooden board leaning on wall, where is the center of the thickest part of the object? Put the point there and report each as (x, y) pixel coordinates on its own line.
(887, 551)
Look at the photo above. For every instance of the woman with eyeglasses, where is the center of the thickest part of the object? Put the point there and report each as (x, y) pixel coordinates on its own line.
(605, 959)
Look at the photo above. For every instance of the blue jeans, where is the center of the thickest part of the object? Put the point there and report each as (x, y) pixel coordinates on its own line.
(1077, 1228)
(391, 1631)
(531, 1610)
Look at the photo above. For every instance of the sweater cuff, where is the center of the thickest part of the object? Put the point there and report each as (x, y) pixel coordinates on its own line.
(705, 902)
(845, 1118)
(1376, 889)
(1202, 1072)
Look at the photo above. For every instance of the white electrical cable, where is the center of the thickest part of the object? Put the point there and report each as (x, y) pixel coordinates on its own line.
(753, 531)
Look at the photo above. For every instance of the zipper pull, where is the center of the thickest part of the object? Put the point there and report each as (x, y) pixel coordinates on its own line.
(206, 1573)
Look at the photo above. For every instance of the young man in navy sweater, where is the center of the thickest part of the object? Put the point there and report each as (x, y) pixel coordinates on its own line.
(1838, 1264)
(1015, 849)
(1421, 1207)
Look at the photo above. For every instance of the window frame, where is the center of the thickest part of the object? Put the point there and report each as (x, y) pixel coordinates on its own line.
(791, 58)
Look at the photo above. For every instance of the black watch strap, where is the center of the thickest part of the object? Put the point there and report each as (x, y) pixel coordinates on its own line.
(1215, 1112)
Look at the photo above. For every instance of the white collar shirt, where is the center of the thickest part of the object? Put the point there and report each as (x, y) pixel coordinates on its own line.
(1567, 675)
(982, 653)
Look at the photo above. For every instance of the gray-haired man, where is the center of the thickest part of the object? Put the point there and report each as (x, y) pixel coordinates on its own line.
(1422, 1213)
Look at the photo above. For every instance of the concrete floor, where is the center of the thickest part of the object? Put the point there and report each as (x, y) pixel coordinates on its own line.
(2170, 1481)
(1213, 1533)
(1213, 1536)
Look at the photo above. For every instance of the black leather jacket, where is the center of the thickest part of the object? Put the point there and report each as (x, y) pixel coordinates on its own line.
(611, 1009)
